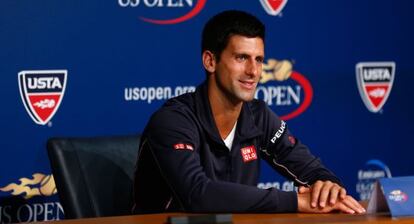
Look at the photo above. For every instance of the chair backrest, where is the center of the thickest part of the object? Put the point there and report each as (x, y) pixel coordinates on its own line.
(94, 176)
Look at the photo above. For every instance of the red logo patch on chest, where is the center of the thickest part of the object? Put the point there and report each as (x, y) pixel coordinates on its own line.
(182, 146)
(248, 153)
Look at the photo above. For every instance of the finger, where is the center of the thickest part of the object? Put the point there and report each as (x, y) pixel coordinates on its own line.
(357, 205)
(325, 191)
(316, 189)
(351, 203)
(303, 189)
(344, 208)
(342, 193)
(334, 194)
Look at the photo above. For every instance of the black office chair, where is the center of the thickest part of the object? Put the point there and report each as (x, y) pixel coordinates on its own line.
(94, 176)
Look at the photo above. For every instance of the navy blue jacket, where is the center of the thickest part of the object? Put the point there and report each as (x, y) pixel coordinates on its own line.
(184, 165)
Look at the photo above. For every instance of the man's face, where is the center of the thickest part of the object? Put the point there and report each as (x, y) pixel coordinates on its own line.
(239, 68)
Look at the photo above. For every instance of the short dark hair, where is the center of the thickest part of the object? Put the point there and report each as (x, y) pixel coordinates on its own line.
(221, 27)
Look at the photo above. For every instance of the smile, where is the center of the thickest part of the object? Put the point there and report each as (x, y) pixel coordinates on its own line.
(250, 85)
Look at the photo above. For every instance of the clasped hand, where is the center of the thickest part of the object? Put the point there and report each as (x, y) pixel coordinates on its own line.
(326, 196)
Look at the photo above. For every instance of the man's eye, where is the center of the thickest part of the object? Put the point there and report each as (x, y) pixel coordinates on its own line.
(241, 57)
(260, 60)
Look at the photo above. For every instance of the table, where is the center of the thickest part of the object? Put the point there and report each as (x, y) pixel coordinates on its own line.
(332, 218)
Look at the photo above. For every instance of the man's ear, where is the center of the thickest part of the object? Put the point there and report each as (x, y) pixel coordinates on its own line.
(209, 61)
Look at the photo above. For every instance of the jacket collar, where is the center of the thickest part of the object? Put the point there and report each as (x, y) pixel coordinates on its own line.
(246, 127)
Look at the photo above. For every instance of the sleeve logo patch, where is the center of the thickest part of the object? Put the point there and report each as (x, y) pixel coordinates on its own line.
(292, 140)
(248, 153)
(182, 146)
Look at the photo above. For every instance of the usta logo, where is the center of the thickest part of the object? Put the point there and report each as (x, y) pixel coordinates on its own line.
(196, 9)
(42, 92)
(375, 80)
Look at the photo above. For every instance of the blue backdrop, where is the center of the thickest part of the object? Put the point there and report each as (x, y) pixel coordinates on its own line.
(121, 64)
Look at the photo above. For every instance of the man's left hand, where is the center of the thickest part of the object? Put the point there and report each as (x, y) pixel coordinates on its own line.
(323, 192)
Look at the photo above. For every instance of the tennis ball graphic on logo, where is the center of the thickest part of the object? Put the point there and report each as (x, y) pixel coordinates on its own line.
(282, 70)
(276, 70)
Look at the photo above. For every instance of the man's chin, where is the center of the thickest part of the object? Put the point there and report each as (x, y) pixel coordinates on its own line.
(247, 98)
(244, 95)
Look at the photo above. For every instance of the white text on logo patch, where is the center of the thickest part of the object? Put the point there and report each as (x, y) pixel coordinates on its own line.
(248, 153)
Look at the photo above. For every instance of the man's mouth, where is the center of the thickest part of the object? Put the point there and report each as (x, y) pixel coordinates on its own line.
(248, 84)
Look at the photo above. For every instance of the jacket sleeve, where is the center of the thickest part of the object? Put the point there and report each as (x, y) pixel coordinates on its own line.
(288, 155)
(174, 142)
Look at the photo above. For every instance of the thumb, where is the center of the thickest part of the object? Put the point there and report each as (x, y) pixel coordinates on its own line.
(303, 189)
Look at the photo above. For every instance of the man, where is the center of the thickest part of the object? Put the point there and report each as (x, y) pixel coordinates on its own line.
(201, 151)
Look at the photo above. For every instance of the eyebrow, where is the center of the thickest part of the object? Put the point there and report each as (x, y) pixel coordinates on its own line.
(246, 54)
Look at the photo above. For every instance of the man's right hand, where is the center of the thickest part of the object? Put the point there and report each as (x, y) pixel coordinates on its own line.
(348, 205)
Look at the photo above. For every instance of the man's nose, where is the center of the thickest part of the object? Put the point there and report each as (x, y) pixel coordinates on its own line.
(252, 68)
